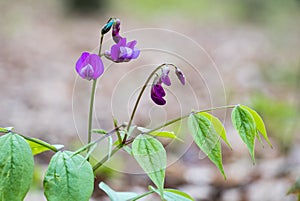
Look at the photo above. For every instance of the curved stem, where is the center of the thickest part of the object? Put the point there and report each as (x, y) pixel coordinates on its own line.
(90, 121)
(92, 98)
(143, 195)
(187, 115)
(100, 163)
(141, 93)
(100, 46)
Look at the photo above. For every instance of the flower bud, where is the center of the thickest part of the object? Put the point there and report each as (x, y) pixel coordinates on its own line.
(107, 26)
(165, 75)
(180, 75)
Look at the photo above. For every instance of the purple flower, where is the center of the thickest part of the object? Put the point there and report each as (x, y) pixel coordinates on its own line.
(89, 66)
(122, 51)
(165, 75)
(157, 94)
(180, 75)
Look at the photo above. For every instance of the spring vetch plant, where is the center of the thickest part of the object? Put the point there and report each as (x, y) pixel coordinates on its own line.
(70, 174)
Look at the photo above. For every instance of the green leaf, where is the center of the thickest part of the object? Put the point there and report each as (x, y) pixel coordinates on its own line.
(116, 196)
(165, 134)
(173, 194)
(38, 146)
(16, 167)
(259, 123)
(207, 139)
(6, 129)
(176, 195)
(216, 123)
(152, 157)
(295, 188)
(244, 123)
(69, 177)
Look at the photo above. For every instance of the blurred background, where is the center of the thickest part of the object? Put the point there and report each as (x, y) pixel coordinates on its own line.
(231, 52)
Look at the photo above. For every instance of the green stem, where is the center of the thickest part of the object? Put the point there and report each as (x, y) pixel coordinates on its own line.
(140, 96)
(100, 163)
(100, 46)
(187, 115)
(143, 195)
(90, 123)
(117, 131)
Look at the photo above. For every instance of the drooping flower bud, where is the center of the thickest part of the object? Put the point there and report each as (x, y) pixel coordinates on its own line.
(89, 66)
(107, 26)
(157, 94)
(180, 75)
(115, 31)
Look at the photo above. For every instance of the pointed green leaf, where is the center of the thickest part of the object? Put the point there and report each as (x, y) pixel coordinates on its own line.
(152, 157)
(38, 146)
(69, 177)
(295, 188)
(259, 123)
(244, 123)
(6, 129)
(207, 139)
(165, 134)
(176, 195)
(216, 123)
(117, 196)
(16, 167)
(173, 194)
(143, 129)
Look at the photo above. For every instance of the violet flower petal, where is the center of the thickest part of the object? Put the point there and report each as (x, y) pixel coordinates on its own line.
(157, 94)
(87, 72)
(135, 53)
(81, 60)
(97, 64)
(165, 75)
(131, 44)
(115, 51)
(158, 90)
(158, 100)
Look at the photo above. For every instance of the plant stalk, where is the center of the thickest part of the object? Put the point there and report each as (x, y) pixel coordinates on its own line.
(90, 121)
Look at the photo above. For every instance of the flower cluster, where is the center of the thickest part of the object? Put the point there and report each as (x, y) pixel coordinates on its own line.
(121, 51)
(90, 66)
(157, 91)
